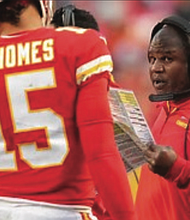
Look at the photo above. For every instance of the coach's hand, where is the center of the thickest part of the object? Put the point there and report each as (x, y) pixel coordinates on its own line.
(160, 158)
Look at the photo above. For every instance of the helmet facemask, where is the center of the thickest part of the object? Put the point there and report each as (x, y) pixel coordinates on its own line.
(47, 11)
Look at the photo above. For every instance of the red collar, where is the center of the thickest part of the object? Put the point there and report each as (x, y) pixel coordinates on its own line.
(171, 106)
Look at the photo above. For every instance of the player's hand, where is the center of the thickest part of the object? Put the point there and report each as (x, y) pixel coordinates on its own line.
(160, 158)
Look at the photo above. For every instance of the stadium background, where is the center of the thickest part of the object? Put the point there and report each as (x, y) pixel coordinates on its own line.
(127, 26)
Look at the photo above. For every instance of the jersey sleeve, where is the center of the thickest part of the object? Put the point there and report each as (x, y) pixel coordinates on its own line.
(85, 54)
(104, 161)
(95, 59)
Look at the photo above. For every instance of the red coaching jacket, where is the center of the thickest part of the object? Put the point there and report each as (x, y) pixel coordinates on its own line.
(168, 198)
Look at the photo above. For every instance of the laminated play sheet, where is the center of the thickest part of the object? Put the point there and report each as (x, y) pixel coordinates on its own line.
(132, 133)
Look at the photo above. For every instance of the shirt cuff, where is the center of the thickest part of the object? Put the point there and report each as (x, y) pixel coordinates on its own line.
(175, 170)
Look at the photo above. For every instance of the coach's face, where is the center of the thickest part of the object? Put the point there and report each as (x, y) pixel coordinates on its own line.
(168, 67)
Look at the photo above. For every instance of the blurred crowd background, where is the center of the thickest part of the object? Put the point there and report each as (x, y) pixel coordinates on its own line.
(127, 26)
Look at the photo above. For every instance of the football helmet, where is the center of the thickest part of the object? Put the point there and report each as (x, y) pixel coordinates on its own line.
(46, 10)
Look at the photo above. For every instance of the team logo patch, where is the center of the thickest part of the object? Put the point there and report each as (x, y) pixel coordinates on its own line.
(182, 122)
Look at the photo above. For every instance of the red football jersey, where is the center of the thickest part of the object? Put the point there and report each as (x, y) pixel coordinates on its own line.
(41, 157)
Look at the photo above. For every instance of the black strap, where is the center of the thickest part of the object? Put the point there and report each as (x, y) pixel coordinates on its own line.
(68, 16)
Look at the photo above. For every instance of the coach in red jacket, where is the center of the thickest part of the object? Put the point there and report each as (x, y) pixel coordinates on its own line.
(164, 188)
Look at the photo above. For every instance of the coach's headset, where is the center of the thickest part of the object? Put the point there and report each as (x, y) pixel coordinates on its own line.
(184, 26)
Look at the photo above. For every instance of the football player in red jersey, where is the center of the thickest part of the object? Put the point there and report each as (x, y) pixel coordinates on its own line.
(56, 131)
(70, 15)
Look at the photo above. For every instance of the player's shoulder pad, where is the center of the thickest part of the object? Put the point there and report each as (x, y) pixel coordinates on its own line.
(82, 31)
(71, 29)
